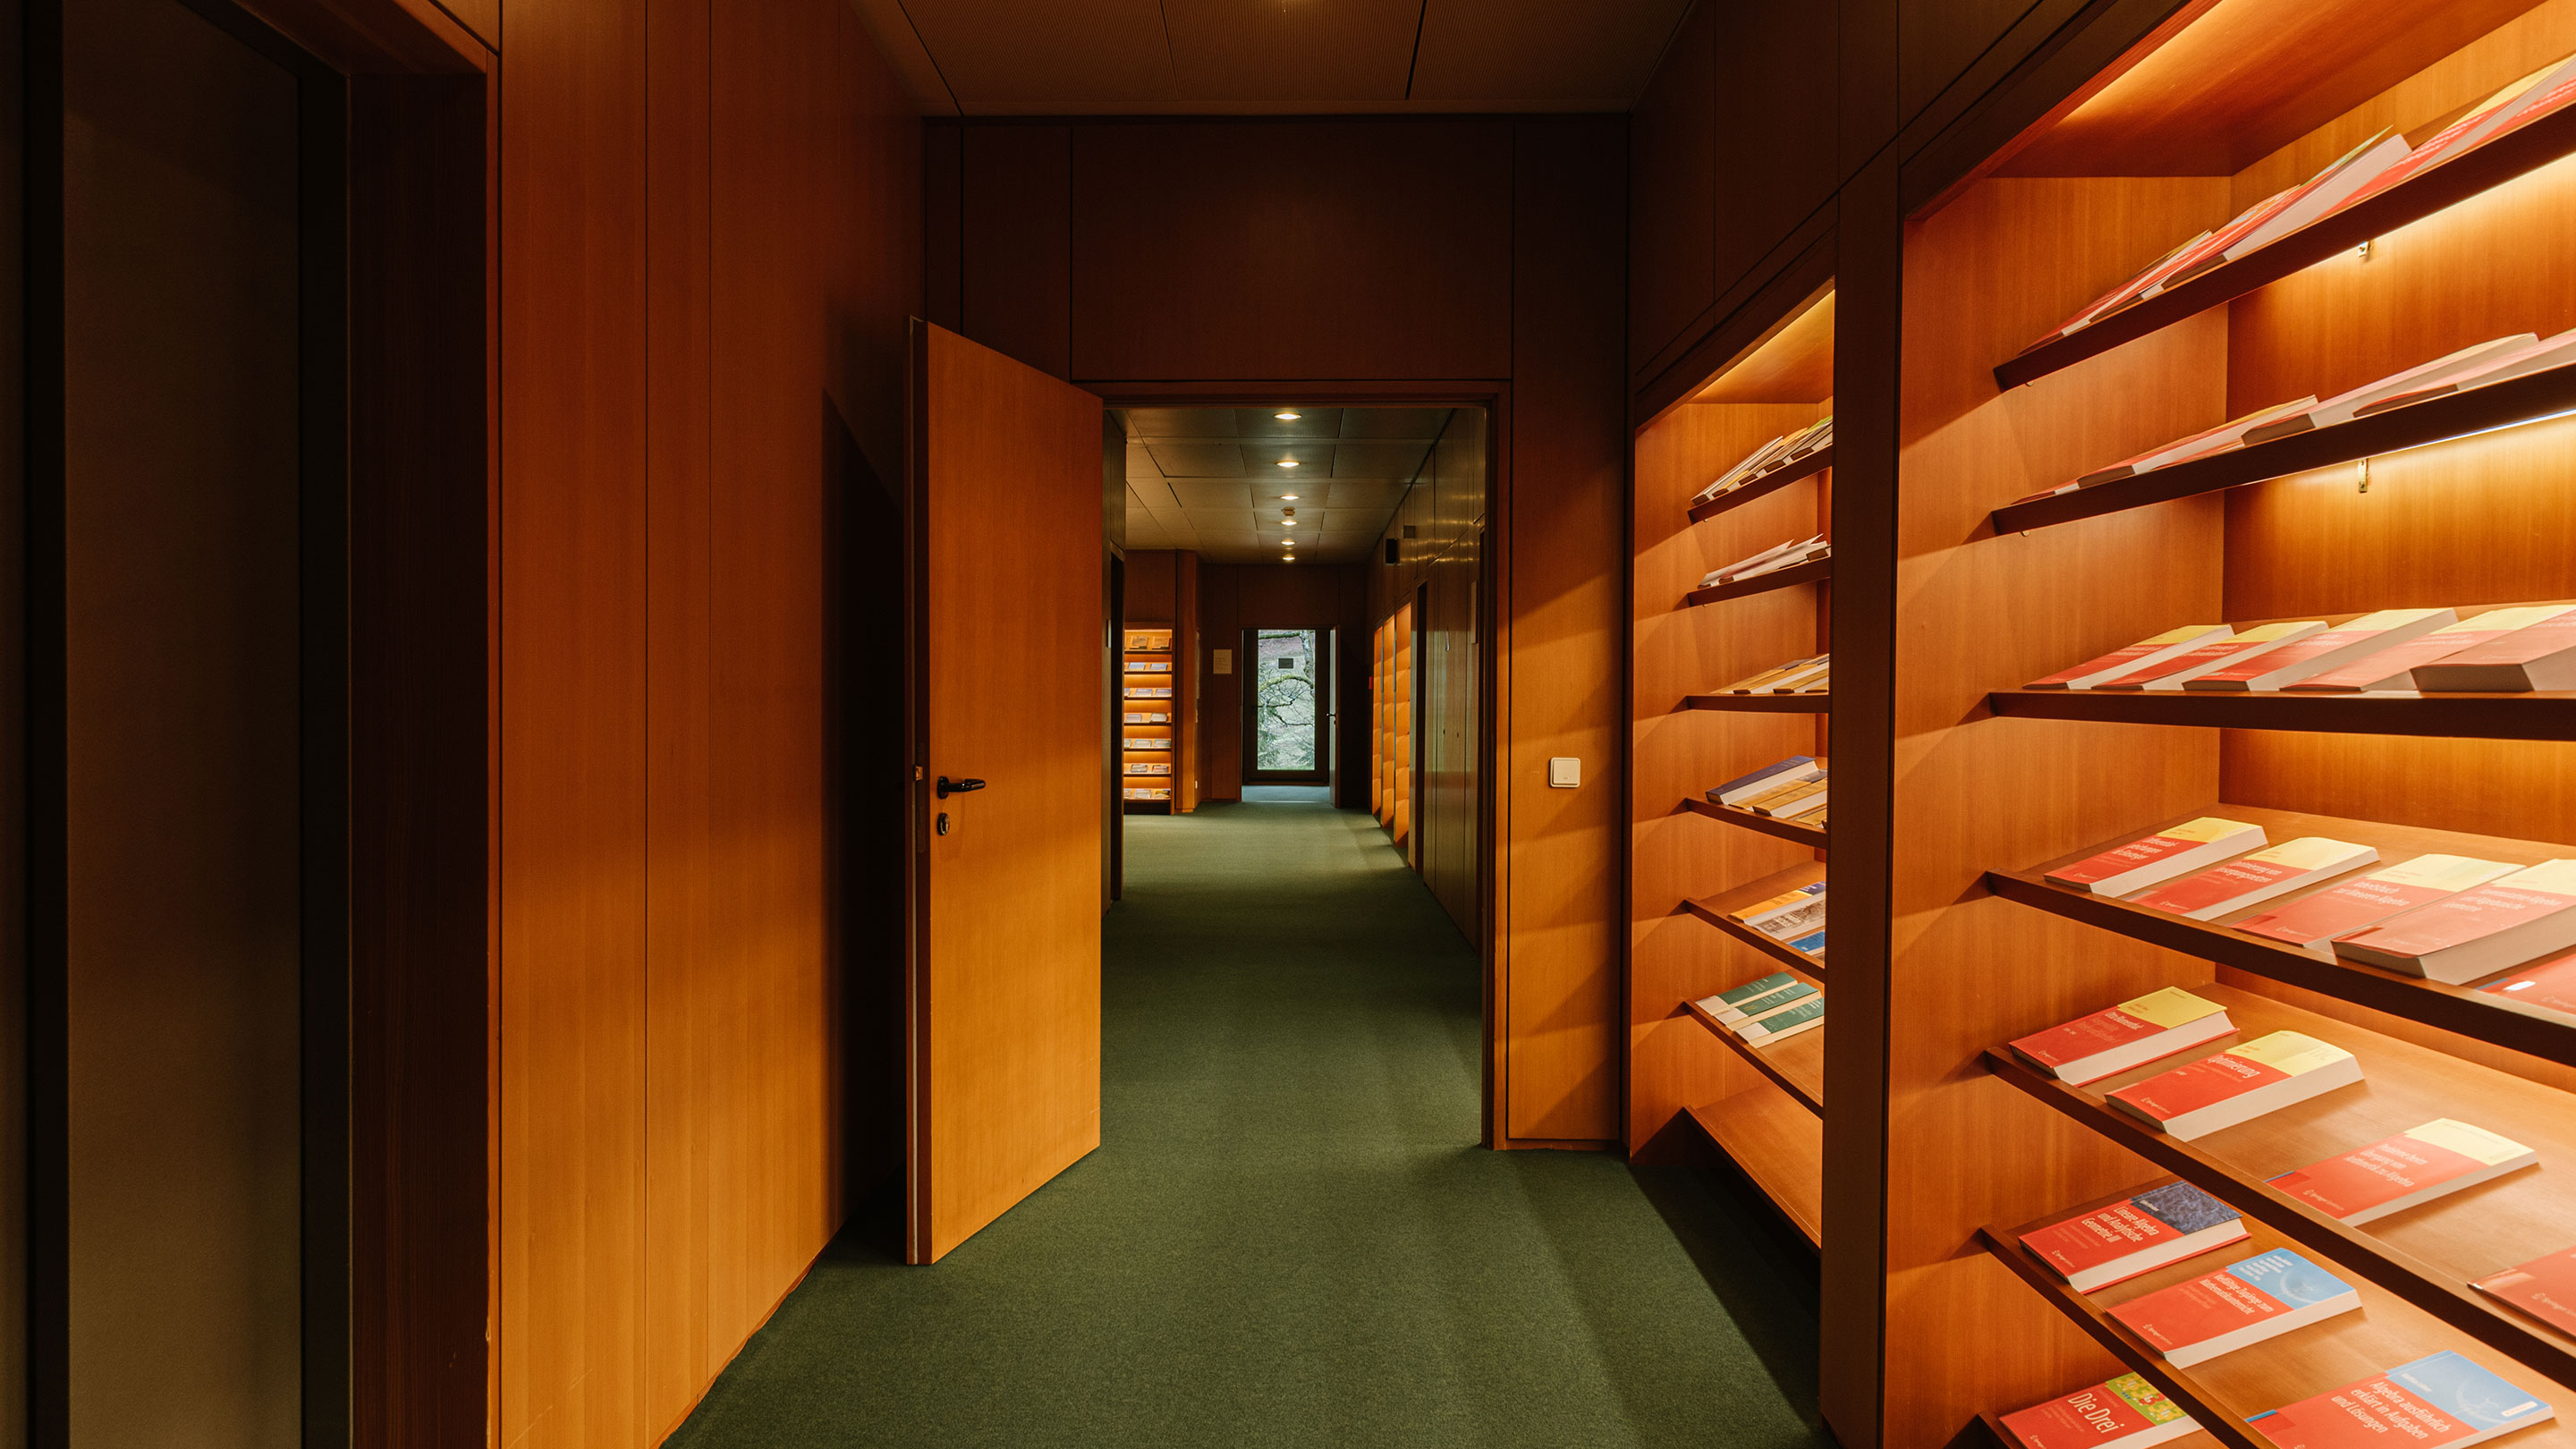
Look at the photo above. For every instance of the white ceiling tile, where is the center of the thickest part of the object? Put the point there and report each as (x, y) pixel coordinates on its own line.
(1197, 460)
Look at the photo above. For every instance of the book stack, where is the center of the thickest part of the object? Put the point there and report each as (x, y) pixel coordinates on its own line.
(1150, 767)
(2459, 938)
(1144, 742)
(2517, 649)
(1811, 675)
(1148, 691)
(1769, 1011)
(1790, 789)
(1150, 666)
(1795, 918)
(1143, 716)
(1149, 792)
(1770, 560)
(1770, 458)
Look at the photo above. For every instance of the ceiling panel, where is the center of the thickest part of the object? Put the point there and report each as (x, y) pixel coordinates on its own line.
(1425, 423)
(1574, 52)
(1261, 460)
(1266, 56)
(1222, 520)
(1060, 55)
(1206, 493)
(1266, 422)
(1378, 493)
(1197, 460)
(1378, 460)
(1181, 422)
(1356, 520)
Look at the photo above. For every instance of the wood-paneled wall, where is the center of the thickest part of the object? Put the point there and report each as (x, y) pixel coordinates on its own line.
(1479, 258)
(1236, 597)
(709, 238)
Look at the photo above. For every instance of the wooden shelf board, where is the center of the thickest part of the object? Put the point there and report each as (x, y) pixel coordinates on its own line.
(2425, 1255)
(1781, 1146)
(2463, 176)
(2460, 1009)
(1809, 466)
(1795, 1066)
(1815, 570)
(1783, 829)
(1762, 703)
(2221, 1393)
(1713, 909)
(2534, 716)
(2522, 400)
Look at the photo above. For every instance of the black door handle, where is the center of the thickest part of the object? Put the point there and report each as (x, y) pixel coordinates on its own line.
(948, 787)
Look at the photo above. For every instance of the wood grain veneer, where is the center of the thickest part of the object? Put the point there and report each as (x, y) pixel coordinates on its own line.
(2425, 1255)
(1813, 571)
(1761, 703)
(1791, 830)
(1819, 461)
(1780, 1145)
(2534, 716)
(1795, 1066)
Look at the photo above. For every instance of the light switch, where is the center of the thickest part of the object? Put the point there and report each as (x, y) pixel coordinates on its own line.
(1564, 773)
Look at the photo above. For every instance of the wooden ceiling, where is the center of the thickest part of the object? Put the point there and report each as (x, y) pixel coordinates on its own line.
(1209, 478)
(1271, 57)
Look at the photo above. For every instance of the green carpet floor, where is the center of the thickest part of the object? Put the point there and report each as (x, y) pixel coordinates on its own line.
(1288, 1235)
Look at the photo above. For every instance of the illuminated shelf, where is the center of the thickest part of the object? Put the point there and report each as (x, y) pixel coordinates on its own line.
(1812, 571)
(1713, 910)
(1795, 1066)
(2498, 161)
(1809, 466)
(1780, 1146)
(1785, 829)
(1761, 703)
(2535, 716)
(2522, 400)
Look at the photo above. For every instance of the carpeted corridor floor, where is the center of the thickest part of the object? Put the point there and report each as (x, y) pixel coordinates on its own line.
(1288, 1235)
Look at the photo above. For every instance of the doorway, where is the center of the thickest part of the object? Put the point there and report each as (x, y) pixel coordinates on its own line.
(1286, 720)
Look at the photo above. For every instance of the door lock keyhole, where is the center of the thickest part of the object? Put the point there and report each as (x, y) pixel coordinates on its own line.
(943, 822)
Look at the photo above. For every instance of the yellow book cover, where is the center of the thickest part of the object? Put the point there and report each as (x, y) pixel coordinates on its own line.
(2309, 852)
(1782, 794)
(2443, 872)
(2477, 1143)
(2170, 1007)
(2207, 828)
(1785, 898)
(2556, 877)
(2290, 1053)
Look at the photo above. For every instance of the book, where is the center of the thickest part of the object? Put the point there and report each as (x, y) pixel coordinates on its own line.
(1778, 556)
(2172, 851)
(1743, 465)
(1797, 678)
(1148, 691)
(2129, 287)
(2138, 1234)
(2208, 441)
(1779, 1026)
(2545, 1288)
(2482, 123)
(1813, 944)
(2539, 655)
(1769, 1004)
(2343, 407)
(2407, 1170)
(2440, 1402)
(2544, 987)
(2459, 938)
(2347, 906)
(2541, 356)
(2394, 667)
(2218, 654)
(2130, 1034)
(1789, 904)
(1745, 786)
(2251, 880)
(2319, 653)
(2211, 250)
(1733, 999)
(2238, 1085)
(2236, 1307)
(1763, 679)
(2326, 191)
(1790, 801)
(2144, 654)
(1807, 552)
(2123, 1413)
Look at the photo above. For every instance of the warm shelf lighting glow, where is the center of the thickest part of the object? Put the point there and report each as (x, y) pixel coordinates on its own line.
(1288, 417)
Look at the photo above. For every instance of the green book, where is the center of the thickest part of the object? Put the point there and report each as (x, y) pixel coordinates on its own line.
(1805, 1016)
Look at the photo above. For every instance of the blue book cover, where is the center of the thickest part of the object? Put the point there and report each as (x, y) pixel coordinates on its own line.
(2290, 1279)
(1813, 945)
(2433, 1401)
(2467, 1392)
(1766, 772)
(2183, 1207)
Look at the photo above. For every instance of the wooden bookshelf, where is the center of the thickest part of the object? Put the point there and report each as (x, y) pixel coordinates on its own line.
(2426, 1255)
(1150, 729)
(1382, 722)
(2542, 395)
(2535, 716)
(1762, 703)
(1399, 817)
(1792, 830)
(1762, 1107)
(1819, 461)
(1813, 571)
(1968, 786)
(1796, 1066)
(1779, 1144)
(1714, 909)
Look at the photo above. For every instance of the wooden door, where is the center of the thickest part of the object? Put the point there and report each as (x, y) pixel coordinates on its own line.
(1003, 1047)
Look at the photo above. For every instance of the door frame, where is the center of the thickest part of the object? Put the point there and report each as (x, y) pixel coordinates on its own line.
(1322, 773)
(1493, 624)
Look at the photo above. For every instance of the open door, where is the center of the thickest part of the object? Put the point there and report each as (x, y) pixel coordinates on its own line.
(1003, 1038)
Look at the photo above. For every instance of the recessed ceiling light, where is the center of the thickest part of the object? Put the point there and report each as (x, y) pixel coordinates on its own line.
(1287, 462)
(1288, 417)
(1287, 497)
(1287, 523)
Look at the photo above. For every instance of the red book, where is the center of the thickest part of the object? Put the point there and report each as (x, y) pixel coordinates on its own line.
(2394, 668)
(2347, 906)
(2332, 649)
(2238, 1085)
(2127, 1413)
(2134, 1235)
(2240, 1305)
(2460, 938)
(2545, 1288)
(2546, 985)
(2216, 655)
(2117, 1038)
(2539, 656)
(2152, 859)
(2396, 1173)
(2250, 880)
(2440, 1402)
(2145, 652)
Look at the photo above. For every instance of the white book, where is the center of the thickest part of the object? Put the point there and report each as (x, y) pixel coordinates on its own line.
(2343, 407)
(2325, 196)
